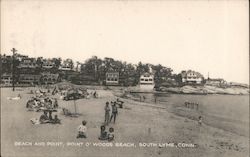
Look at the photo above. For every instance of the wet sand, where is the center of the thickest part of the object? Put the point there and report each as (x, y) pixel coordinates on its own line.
(137, 123)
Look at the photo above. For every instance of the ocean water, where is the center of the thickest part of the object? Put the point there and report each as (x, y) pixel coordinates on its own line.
(229, 112)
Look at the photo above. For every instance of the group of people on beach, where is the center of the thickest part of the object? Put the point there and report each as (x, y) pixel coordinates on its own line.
(192, 105)
(104, 135)
(114, 105)
(38, 104)
(41, 101)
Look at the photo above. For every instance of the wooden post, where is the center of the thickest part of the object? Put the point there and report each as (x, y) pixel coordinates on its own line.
(13, 50)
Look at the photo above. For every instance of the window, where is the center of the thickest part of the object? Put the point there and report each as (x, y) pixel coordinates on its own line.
(150, 80)
(142, 79)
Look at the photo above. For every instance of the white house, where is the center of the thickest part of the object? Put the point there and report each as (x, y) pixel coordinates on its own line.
(192, 77)
(6, 79)
(67, 65)
(48, 64)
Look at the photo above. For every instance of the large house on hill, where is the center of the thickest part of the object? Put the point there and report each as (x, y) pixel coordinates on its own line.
(28, 63)
(48, 64)
(49, 78)
(191, 77)
(29, 79)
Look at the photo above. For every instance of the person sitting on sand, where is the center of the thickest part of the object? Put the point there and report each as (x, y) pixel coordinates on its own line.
(114, 112)
(56, 120)
(111, 135)
(55, 104)
(107, 114)
(103, 135)
(44, 117)
(95, 94)
(82, 130)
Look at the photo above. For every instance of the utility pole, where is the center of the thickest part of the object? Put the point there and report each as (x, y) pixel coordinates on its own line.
(13, 50)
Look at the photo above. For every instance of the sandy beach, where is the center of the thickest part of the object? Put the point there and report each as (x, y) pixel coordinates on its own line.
(141, 130)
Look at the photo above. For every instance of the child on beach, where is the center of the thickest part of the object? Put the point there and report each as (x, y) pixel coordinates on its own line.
(82, 130)
(103, 135)
(111, 135)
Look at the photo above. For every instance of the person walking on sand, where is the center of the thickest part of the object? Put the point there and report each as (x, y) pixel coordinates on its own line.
(107, 114)
(200, 120)
(82, 130)
(114, 112)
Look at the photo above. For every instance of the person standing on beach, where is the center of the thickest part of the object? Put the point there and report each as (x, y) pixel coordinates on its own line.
(200, 120)
(107, 114)
(114, 112)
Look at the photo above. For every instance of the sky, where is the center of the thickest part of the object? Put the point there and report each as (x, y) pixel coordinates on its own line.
(207, 36)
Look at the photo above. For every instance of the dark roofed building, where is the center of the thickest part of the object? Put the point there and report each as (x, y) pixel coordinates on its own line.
(112, 78)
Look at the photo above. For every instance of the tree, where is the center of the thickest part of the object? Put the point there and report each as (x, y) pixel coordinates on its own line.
(57, 62)
(161, 73)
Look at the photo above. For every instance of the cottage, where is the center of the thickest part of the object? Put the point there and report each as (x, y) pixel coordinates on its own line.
(6, 80)
(49, 78)
(67, 65)
(28, 63)
(29, 79)
(48, 64)
(112, 78)
(146, 82)
(191, 77)
(147, 79)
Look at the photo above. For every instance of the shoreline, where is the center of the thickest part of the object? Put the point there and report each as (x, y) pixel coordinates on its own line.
(185, 90)
(137, 122)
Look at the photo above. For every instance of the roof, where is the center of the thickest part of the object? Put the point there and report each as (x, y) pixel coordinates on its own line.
(184, 73)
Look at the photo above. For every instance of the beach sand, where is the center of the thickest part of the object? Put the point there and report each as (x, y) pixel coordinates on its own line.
(137, 123)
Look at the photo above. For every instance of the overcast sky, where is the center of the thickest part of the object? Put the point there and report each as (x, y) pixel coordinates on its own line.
(206, 36)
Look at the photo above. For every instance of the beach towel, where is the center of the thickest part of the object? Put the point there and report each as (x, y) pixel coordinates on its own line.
(13, 98)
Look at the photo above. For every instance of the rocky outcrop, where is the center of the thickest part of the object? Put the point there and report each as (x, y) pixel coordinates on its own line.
(205, 90)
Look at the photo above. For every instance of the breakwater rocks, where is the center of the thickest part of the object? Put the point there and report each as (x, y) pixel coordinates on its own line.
(205, 90)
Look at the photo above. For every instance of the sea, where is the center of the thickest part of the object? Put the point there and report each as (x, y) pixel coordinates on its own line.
(228, 112)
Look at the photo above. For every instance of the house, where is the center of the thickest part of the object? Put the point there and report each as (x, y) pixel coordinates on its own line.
(191, 77)
(48, 64)
(29, 79)
(112, 78)
(28, 63)
(6, 80)
(49, 78)
(67, 65)
(216, 82)
(146, 78)
(146, 82)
